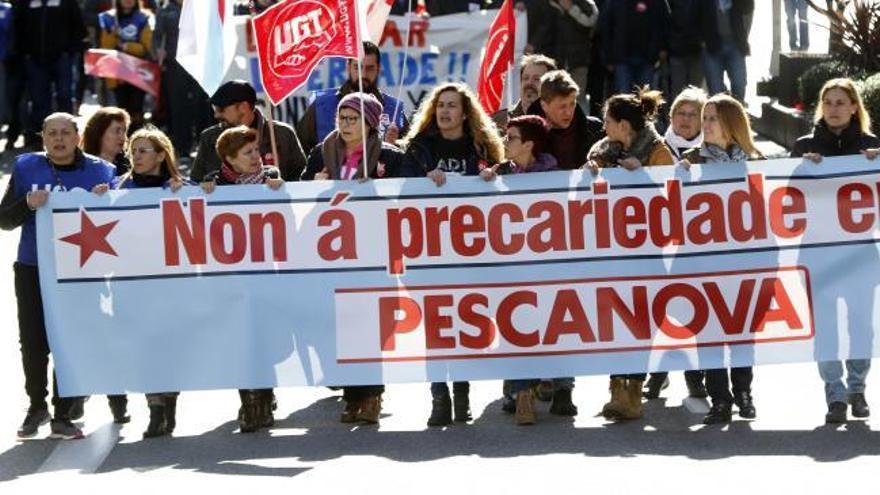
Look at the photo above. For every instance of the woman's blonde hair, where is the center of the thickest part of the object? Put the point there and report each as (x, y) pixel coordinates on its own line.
(161, 144)
(734, 123)
(847, 86)
(477, 125)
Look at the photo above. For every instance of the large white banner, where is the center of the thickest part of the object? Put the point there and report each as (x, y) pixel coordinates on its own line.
(551, 274)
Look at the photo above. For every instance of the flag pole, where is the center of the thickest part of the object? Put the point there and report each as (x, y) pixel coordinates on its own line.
(360, 67)
(404, 65)
(269, 107)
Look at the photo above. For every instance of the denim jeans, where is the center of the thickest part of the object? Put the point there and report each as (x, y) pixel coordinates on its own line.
(832, 374)
(42, 77)
(632, 73)
(728, 59)
(796, 20)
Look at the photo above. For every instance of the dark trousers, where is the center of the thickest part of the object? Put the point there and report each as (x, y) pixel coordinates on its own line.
(35, 344)
(188, 111)
(718, 383)
(131, 99)
(42, 79)
(633, 376)
(361, 392)
(441, 389)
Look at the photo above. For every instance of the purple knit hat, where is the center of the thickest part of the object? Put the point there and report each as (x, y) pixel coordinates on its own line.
(372, 107)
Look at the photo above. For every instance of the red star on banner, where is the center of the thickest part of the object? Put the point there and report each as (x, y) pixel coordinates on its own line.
(91, 238)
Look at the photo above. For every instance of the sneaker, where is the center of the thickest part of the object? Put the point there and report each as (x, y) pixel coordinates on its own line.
(63, 429)
(836, 413)
(32, 423)
(859, 406)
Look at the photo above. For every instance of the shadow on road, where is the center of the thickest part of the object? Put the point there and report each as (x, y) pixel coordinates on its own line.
(671, 431)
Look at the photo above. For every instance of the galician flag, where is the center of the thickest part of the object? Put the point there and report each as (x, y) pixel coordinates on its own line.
(207, 41)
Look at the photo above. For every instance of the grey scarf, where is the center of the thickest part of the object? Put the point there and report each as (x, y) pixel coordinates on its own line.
(608, 153)
(714, 153)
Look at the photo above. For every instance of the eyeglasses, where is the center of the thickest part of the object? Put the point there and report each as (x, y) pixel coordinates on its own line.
(347, 119)
(508, 138)
(138, 151)
(687, 115)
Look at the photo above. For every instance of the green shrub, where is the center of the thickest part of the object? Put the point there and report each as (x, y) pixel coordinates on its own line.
(871, 94)
(812, 80)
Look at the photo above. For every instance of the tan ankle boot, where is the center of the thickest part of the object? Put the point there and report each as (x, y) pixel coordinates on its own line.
(615, 407)
(633, 400)
(525, 407)
(351, 411)
(371, 408)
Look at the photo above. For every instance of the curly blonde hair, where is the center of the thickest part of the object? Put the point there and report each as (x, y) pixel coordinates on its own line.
(478, 125)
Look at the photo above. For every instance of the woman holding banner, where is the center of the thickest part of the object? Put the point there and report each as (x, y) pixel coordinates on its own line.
(127, 29)
(727, 137)
(451, 135)
(341, 157)
(153, 165)
(105, 136)
(842, 127)
(238, 149)
(631, 142)
(525, 149)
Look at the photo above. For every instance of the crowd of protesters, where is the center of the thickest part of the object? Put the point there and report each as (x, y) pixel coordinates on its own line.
(358, 132)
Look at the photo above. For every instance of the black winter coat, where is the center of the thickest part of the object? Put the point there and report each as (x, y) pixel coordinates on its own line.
(741, 12)
(47, 30)
(619, 25)
(686, 31)
(824, 142)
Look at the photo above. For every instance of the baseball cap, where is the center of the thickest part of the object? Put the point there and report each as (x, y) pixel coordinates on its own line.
(232, 92)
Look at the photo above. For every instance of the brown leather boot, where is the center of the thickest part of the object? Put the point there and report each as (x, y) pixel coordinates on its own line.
(351, 411)
(632, 399)
(616, 406)
(525, 407)
(371, 408)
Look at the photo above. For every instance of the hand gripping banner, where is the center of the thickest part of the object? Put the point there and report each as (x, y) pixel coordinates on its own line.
(534, 275)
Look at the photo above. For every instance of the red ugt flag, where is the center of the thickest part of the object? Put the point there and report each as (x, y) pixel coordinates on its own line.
(498, 58)
(294, 35)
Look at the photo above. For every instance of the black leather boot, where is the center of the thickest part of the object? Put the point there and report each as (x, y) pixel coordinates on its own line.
(441, 411)
(745, 404)
(157, 426)
(170, 413)
(461, 402)
(656, 383)
(719, 413)
(562, 404)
